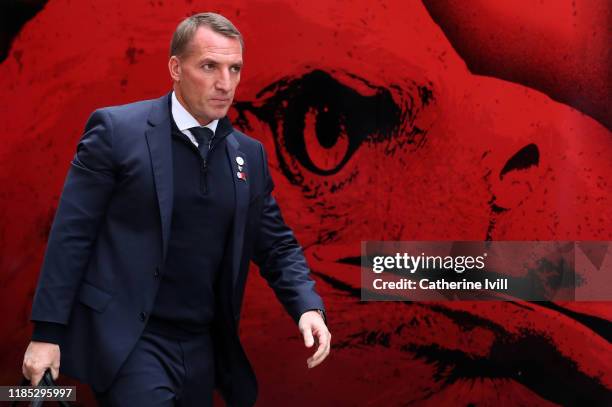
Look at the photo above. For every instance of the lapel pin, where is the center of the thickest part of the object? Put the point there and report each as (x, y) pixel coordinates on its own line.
(240, 160)
(241, 175)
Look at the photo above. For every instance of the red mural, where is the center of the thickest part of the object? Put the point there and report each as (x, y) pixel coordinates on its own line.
(376, 129)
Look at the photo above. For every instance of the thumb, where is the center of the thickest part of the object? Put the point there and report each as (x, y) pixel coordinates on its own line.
(308, 339)
(54, 373)
(36, 378)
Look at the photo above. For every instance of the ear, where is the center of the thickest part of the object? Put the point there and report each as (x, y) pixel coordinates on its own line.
(174, 67)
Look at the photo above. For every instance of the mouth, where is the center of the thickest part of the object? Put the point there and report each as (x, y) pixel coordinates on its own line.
(466, 342)
(220, 100)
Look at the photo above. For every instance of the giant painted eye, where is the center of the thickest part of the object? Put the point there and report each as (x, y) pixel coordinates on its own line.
(319, 120)
(326, 141)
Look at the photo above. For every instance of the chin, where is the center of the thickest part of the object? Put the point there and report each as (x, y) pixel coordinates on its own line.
(218, 114)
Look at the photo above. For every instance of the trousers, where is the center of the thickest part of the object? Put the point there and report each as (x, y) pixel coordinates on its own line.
(167, 367)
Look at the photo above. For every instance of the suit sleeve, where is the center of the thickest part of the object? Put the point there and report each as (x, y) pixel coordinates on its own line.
(280, 258)
(82, 206)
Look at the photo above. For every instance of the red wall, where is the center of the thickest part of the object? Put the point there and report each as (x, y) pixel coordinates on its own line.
(433, 152)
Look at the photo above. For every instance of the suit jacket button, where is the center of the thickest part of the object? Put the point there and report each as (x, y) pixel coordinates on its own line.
(143, 316)
(156, 272)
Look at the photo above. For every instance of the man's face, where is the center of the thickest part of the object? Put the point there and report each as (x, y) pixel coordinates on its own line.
(206, 75)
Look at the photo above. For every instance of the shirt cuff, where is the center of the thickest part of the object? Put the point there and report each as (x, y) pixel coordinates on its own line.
(50, 332)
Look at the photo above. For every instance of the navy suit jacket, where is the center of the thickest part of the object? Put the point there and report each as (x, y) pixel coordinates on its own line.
(109, 239)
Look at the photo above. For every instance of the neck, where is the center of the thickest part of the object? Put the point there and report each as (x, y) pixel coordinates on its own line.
(202, 121)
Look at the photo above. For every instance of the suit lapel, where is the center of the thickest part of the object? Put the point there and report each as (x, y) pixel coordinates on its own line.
(160, 149)
(241, 188)
(159, 141)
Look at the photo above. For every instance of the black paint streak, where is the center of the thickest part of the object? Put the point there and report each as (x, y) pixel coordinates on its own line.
(14, 14)
(526, 157)
(337, 284)
(600, 326)
(527, 358)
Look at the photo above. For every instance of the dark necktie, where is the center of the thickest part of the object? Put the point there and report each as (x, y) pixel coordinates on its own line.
(203, 136)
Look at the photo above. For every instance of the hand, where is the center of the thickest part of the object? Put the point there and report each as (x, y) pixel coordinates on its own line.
(38, 358)
(312, 324)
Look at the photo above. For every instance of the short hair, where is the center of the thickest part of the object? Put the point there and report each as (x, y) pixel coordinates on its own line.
(187, 28)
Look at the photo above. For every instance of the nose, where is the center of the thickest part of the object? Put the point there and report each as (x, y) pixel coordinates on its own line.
(223, 82)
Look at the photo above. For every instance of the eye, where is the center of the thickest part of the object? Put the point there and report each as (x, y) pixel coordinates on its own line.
(326, 142)
(236, 69)
(208, 67)
(320, 120)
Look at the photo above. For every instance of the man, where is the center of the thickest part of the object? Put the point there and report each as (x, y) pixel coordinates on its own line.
(162, 209)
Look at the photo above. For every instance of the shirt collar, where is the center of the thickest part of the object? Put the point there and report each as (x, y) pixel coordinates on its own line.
(184, 120)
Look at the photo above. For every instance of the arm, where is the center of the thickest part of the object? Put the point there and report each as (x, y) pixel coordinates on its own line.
(281, 262)
(82, 205)
(280, 258)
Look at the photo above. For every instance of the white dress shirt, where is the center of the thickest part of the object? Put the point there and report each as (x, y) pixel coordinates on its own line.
(184, 120)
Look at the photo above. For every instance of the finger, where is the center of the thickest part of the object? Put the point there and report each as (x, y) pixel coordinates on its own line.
(36, 377)
(308, 339)
(328, 347)
(321, 350)
(25, 372)
(313, 360)
(317, 360)
(54, 372)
